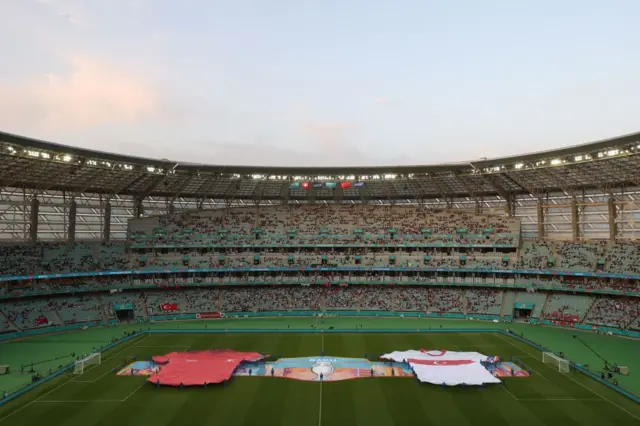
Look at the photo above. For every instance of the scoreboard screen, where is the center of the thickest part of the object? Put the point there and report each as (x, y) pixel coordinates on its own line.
(326, 185)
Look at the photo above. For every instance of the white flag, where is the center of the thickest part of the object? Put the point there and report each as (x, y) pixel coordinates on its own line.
(446, 367)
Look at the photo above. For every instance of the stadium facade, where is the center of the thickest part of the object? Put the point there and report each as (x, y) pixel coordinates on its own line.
(98, 239)
(56, 192)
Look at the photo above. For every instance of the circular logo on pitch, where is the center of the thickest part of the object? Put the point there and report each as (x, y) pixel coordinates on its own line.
(322, 367)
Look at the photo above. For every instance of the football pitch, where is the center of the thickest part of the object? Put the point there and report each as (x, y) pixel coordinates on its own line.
(99, 397)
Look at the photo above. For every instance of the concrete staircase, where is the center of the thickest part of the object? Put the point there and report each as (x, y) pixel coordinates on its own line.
(13, 324)
(464, 302)
(57, 316)
(503, 304)
(586, 314)
(545, 307)
(145, 310)
(103, 311)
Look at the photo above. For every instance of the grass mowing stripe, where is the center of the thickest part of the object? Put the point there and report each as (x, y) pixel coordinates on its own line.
(508, 340)
(65, 380)
(266, 401)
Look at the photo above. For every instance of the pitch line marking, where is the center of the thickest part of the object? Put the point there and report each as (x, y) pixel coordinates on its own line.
(321, 381)
(509, 392)
(320, 407)
(57, 387)
(527, 352)
(575, 381)
(102, 375)
(561, 399)
(88, 401)
(32, 402)
(162, 346)
(134, 391)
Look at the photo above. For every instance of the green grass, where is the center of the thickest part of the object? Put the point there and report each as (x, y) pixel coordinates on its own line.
(98, 397)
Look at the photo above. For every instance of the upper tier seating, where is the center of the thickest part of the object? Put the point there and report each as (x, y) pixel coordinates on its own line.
(583, 257)
(50, 258)
(338, 222)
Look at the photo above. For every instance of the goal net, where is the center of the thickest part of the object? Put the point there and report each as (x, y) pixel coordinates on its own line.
(561, 363)
(83, 364)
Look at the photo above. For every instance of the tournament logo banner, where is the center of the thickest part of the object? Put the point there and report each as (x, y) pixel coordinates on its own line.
(328, 369)
(140, 368)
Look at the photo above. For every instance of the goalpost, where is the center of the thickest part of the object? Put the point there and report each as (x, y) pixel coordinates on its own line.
(82, 364)
(561, 363)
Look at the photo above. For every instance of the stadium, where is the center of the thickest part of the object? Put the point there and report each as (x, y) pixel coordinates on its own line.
(115, 268)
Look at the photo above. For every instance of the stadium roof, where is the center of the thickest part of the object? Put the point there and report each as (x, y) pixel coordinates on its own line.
(40, 165)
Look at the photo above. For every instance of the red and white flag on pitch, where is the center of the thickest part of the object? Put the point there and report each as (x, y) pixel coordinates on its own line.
(450, 368)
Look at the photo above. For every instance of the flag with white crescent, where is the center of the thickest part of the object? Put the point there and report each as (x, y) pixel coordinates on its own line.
(446, 367)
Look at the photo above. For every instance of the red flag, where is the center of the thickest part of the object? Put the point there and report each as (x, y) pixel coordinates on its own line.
(169, 307)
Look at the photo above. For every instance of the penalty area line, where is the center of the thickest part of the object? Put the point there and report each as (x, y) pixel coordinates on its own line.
(61, 385)
(508, 340)
(135, 390)
(530, 355)
(509, 392)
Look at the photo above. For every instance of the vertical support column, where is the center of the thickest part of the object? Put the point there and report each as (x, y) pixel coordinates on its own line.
(511, 205)
(71, 230)
(106, 224)
(35, 212)
(171, 207)
(138, 207)
(575, 227)
(477, 208)
(540, 209)
(613, 213)
(508, 207)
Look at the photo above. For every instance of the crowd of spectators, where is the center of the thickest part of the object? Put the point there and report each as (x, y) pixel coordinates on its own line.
(31, 313)
(313, 224)
(342, 222)
(566, 308)
(619, 312)
(57, 257)
(483, 301)
(621, 258)
(443, 300)
(187, 301)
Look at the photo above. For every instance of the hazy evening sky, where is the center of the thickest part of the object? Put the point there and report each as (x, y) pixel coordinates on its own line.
(323, 82)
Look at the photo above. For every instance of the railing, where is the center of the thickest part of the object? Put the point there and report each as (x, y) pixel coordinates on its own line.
(515, 286)
(137, 272)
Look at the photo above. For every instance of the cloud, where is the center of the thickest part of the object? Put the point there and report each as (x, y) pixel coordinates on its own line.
(93, 93)
(383, 100)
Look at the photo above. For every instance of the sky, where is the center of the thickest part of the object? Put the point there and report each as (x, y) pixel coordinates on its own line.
(322, 82)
